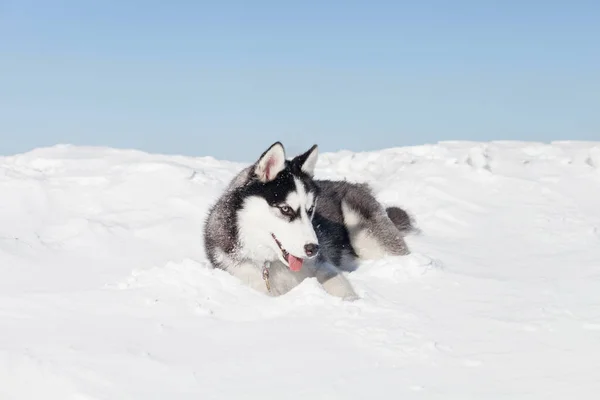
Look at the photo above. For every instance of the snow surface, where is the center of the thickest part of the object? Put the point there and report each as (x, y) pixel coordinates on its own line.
(105, 292)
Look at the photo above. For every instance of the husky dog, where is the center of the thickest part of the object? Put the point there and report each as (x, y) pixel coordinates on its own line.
(275, 225)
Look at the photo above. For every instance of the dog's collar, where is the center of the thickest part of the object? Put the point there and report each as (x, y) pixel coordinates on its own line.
(265, 275)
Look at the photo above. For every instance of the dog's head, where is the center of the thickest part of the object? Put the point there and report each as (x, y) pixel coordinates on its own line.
(275, 218)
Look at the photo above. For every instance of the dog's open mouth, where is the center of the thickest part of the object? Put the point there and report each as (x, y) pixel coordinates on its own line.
(293, 262)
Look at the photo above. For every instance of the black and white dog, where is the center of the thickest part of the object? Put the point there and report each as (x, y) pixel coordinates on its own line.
(275, 225)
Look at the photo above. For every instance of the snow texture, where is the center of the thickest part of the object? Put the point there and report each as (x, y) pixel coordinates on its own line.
(105, 291)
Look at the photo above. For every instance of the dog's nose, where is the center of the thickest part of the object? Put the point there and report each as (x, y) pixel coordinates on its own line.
(311, 249)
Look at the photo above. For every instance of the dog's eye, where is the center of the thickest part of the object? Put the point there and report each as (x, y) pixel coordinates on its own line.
(286, 210)
(311, 209)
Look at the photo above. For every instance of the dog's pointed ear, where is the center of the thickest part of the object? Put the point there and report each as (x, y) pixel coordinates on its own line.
(270, 163)
(307, 161)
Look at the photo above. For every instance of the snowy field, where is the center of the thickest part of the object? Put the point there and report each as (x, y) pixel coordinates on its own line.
(105, 292)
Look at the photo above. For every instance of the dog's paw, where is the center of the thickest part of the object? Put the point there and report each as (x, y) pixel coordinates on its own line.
(339, 286)
(351, 297)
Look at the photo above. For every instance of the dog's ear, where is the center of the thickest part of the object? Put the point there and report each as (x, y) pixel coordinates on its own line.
(270, 163)
(307, 161)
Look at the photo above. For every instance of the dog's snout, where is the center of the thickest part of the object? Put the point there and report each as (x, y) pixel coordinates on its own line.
(311, 249)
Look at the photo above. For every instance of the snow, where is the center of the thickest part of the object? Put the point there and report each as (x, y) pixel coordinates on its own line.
(105, 291)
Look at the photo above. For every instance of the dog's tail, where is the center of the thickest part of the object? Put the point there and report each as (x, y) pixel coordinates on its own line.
(401, 219)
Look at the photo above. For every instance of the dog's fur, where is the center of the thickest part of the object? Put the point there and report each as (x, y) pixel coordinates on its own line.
(344, 219)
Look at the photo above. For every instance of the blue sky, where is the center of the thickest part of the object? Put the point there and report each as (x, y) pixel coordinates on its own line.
(228, 78)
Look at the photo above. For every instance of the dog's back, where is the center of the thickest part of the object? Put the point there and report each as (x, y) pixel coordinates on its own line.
(351, 223)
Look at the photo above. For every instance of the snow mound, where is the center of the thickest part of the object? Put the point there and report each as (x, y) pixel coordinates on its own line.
(106, 292)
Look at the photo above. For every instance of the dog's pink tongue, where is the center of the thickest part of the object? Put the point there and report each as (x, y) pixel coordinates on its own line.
(295, 263)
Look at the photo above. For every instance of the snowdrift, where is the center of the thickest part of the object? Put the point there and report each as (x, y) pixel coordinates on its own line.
(105, 292)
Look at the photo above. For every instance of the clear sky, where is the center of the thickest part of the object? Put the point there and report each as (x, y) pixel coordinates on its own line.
(227, 78)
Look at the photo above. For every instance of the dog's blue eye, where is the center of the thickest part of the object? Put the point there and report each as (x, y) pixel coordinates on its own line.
(286, 210)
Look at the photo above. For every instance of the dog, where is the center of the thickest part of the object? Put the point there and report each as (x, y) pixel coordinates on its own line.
(276, 225)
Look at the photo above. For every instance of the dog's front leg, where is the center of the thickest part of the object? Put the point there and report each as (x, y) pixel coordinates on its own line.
(251, 275)
(334, 282)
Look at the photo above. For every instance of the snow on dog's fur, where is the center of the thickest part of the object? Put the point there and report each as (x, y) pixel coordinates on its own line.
(275, 215)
